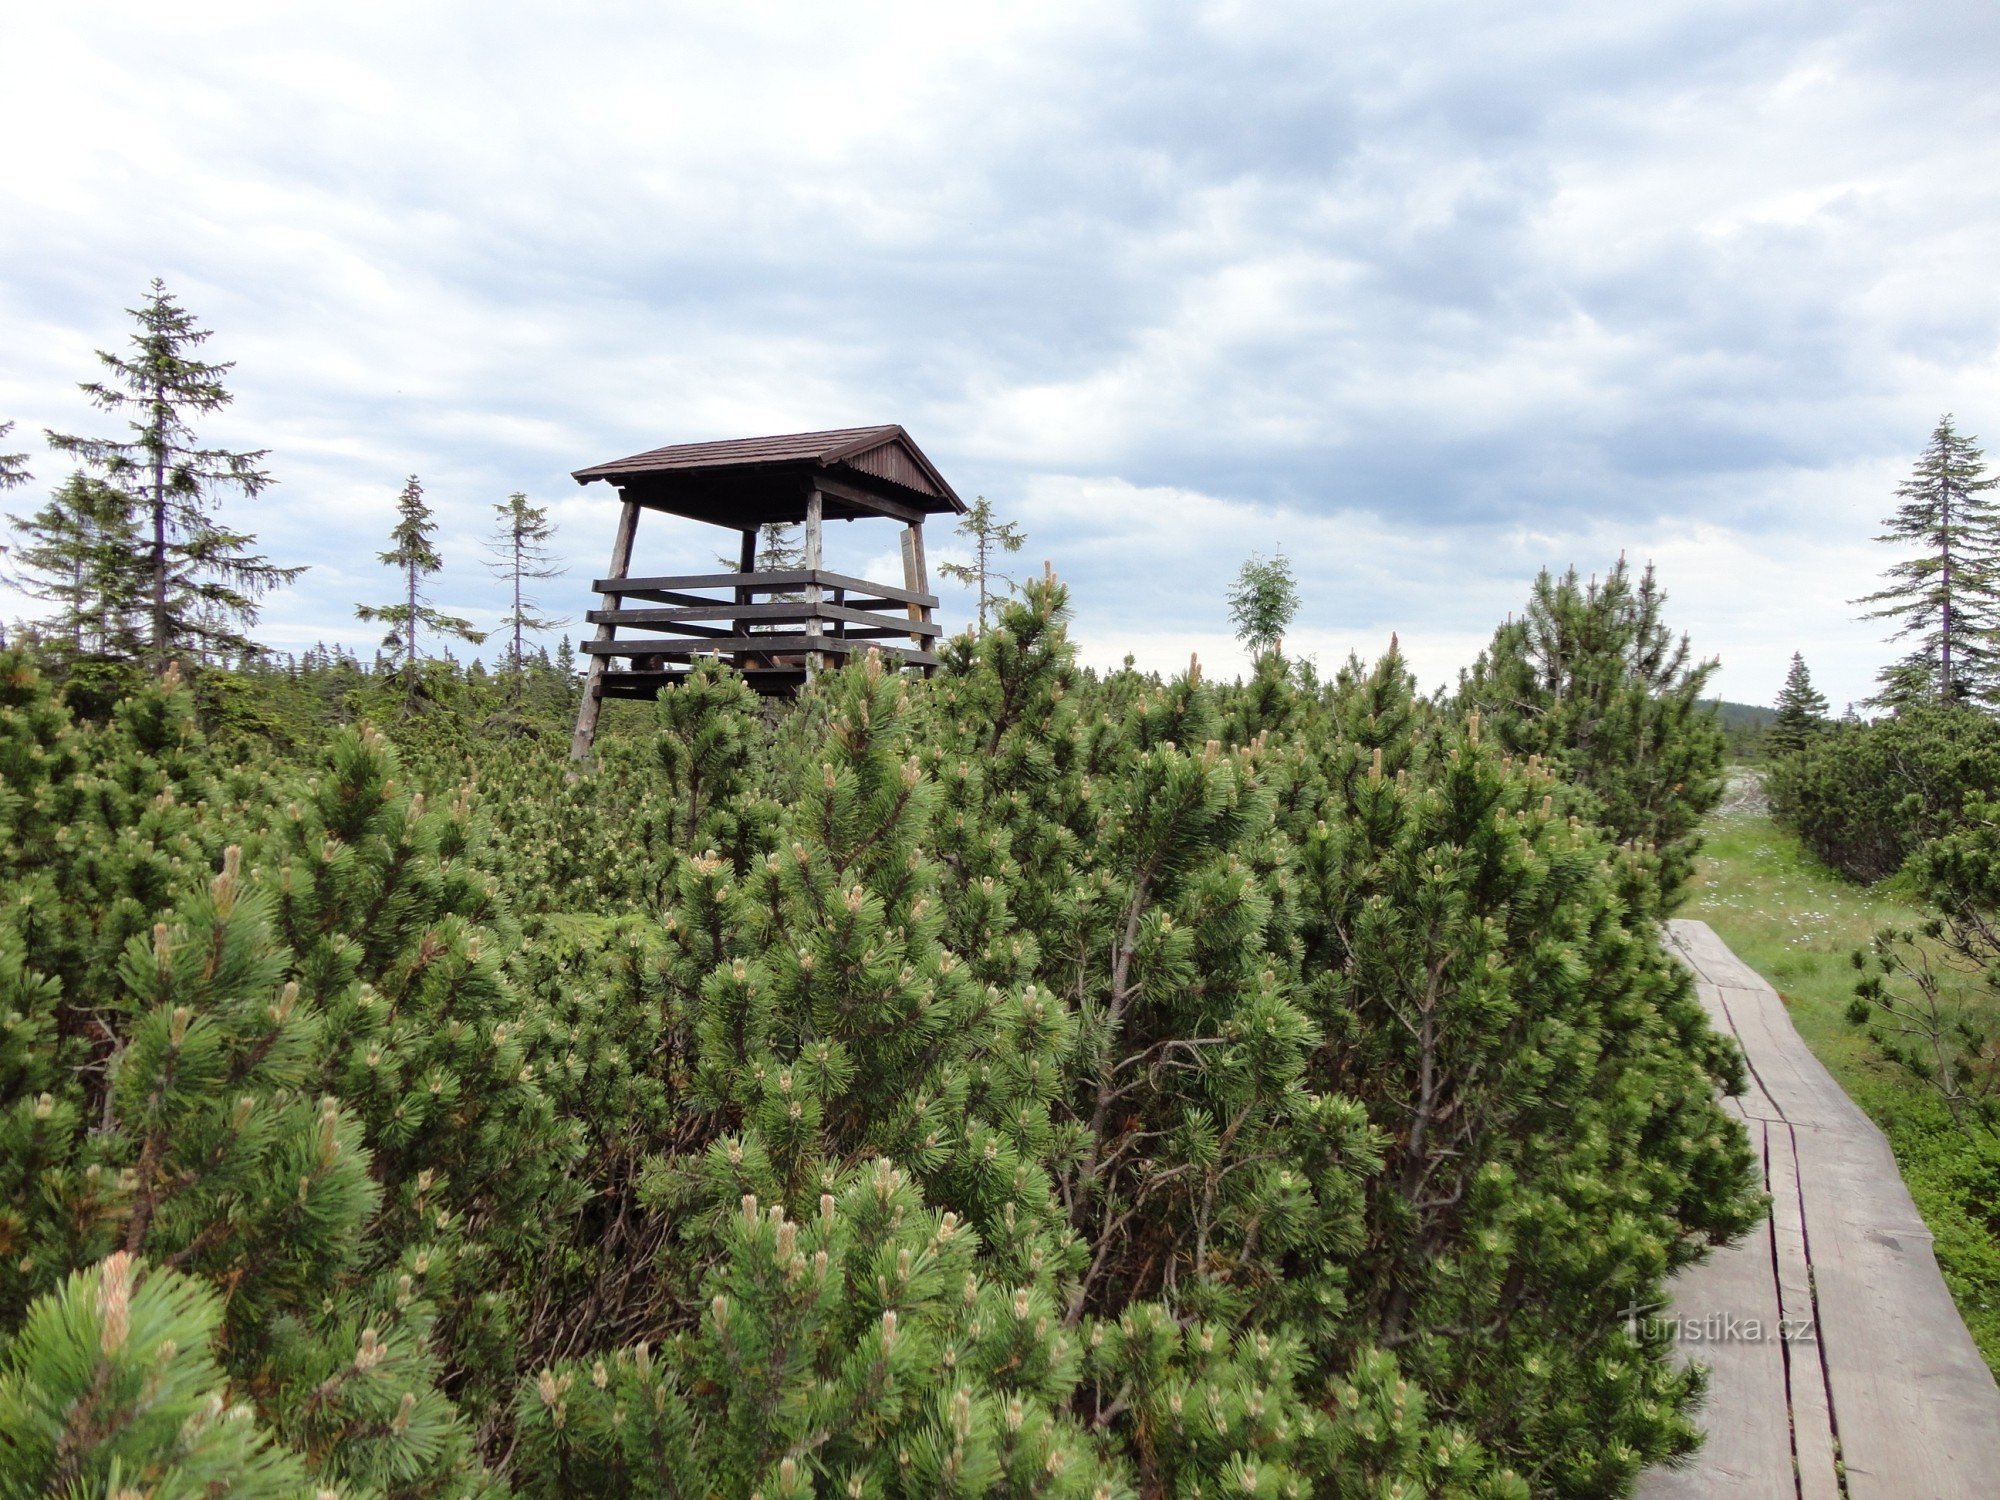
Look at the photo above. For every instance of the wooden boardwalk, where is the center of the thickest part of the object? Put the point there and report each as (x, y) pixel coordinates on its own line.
(1840, 1367)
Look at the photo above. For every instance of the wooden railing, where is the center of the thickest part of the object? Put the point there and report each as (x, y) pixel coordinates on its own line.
(774, 641)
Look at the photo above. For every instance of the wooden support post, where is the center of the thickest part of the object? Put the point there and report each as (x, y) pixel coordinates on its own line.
(593, 677)
(916, 578)
(815, 508)
(746, 560)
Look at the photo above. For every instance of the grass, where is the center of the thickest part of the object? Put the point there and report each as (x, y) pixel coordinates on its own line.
(1796, 923)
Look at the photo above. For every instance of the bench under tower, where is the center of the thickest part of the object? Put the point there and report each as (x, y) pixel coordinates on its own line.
(777, 626)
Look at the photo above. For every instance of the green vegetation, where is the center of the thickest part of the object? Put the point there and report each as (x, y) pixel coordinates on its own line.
(1799, 924)
(1016, 1082)
(1801, 711)
(990, 537)
(200, 581)
(1591, 677)
(1263, 601)
(13, 466)
(1944, 595)
(416, 558)
(1865, 797)
(128, 1359)
(1745, 729)
(1896, 985)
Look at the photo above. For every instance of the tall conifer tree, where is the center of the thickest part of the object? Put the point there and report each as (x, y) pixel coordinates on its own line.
(417, 559)
(990, 537)
(203, 579)
(1801, 710)
(74, 554)
(13, 474)
(1947, 593)
(521, 555)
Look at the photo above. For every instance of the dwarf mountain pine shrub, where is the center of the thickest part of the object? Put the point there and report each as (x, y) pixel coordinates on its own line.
(1020, 1082)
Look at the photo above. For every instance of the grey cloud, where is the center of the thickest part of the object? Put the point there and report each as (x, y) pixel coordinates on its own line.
(1596, 272)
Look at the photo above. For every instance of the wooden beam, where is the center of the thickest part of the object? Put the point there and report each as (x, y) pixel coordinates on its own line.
(769, 681)
(757, 583)
(815, 522)
(678, 618)
(851, 614)
(916, 579)
(635, 619)
(880, 590)
(881, 505)
(664, 596)
(746, 564)
(762, 583)
(593, 676)
(763, 645)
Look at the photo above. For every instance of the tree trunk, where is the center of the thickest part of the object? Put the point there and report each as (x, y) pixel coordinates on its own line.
(982, 582)
(815, 659)
(158, 436)
(1944, 649)
(517, 598)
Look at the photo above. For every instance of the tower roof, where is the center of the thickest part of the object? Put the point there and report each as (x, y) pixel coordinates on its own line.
(753, 481)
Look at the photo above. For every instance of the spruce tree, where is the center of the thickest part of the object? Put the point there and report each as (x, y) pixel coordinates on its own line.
(75, 555)
(990, 536)
(13, 466)
(202, 580)
(1947, 594)
(1801, 711)
(521, 555)
(780, 548)
(417, 559)
(562, 669)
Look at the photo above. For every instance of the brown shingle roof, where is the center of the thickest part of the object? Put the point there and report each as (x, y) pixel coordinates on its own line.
(744, 481)
(789, 448)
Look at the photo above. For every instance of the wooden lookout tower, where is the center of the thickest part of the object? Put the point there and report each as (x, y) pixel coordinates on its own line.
(778, 627)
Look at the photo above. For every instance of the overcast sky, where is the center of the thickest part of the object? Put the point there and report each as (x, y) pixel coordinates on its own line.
(1428, 294)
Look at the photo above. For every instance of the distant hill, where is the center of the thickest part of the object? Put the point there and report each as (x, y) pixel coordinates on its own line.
(1743, 715)
(1743, 726)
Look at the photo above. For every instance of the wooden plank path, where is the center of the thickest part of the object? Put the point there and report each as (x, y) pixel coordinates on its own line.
(1840, 1370)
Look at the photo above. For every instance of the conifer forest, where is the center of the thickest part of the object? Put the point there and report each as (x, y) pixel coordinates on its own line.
(1021, 1080)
